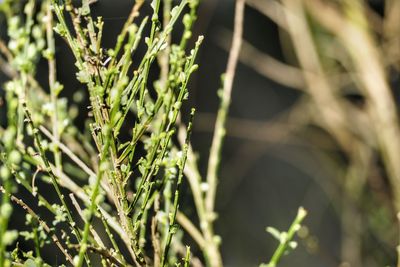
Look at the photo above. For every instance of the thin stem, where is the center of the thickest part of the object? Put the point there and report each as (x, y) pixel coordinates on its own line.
(187, 257)
(215, 152)
(283, 245)
(49, 170)
(52, 82)
(41, 222)
(95, 193)
(171, 229)
(96, 236)
(111, 237)
(191, 229)
(219, 134)
(4, 219)
(68, 152)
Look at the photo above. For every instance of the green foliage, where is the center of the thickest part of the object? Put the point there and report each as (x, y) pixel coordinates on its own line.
(40, 128)
(285, 239)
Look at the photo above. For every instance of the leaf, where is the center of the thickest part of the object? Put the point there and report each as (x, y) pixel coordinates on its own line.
(9, 237)
(174, 11)
(153, 4)
(30, 263)
(274, 232)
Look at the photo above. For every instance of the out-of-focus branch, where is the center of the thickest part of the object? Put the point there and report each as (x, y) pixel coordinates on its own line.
(391, 30)
(6, 69)
(191, 229)
(353, 31)
(318, 86)
(5, 66)
(275, 130)
(264, 64)
(5, 51)
(367, 61)
(271, 9)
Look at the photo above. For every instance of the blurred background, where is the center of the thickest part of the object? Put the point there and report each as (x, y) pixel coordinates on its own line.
(314, 99)
(313, 122)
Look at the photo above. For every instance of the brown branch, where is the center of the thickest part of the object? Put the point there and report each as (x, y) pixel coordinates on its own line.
(105, 253)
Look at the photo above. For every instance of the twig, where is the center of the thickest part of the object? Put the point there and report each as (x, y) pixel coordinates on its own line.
(5, 51)
(284, 243)
(67, 182)
(105, 254)
(191, 229)
(52, 83)
(225, 101)
(95, 194)
(22, 204)
(68, 152)
(216, 146)
(318, 85)
(215, 151)
(181, 166)
(92, 230)
(271, 9)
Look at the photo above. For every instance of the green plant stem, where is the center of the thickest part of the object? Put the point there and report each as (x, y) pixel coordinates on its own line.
(102, 78)
(154, 23)
(117, 190)
(111, 237)
(49, 170)
(283, 246)
(23, 104)
(41, 222)
(60, 16)
(177, 191)
(95, 193)
(187, 34)
(120, 39)
(212, 253)
(4, 221)
(52, 82)
(163, 58)
(25, 184)
(36, 241)
(187, 257)
(219, 134)
(172, 121)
